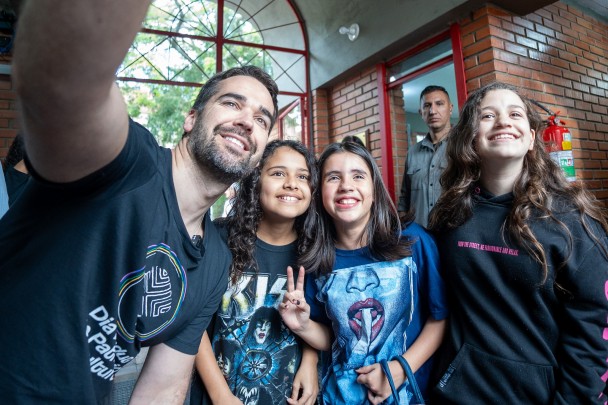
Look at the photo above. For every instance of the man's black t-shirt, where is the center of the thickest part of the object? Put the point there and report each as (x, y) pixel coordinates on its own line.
(92, 270)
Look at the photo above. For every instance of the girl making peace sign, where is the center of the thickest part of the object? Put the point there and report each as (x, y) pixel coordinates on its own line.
(249, 356)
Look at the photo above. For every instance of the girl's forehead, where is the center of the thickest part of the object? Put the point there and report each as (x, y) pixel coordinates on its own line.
(285, 154)
(503, 96)
(344, 159)
(281, 152)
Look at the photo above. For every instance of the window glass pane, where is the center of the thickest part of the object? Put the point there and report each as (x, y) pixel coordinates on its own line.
(182, 16)
(272, 21)
(420, 60)
(238, 55)
(291, 124)
(239, 26)
(289, 71)
(164, 58)
(410, 91)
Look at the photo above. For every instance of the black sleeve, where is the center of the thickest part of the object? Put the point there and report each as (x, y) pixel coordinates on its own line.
(188, 339)
(583, 364)
(111, 173)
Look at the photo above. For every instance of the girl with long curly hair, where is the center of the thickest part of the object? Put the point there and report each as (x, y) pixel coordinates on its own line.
(248, 355)
(373, 293)
(524, 255)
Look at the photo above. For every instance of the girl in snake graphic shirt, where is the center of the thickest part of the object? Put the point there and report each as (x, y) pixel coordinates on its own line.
(375, 288)
(249, 356)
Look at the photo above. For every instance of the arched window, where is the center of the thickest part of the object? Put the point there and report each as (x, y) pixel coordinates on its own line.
(184, 42)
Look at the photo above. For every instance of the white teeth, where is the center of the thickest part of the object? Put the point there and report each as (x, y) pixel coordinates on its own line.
(235, 141)
(288, 198)
(504, 136)
(348, 201)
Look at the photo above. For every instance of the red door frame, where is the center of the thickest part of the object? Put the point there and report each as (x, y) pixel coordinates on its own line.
(301, 101)
(386, 132)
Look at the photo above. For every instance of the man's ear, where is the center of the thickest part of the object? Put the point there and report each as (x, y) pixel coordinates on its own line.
(190, 121)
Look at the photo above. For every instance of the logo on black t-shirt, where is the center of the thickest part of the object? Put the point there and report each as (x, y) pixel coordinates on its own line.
(156, 291)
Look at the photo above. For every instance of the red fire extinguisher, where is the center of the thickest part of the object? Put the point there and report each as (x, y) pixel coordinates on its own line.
(558, 142)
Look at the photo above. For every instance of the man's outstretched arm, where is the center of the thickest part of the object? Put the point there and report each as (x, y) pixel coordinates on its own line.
(66, 55)
(165, 378)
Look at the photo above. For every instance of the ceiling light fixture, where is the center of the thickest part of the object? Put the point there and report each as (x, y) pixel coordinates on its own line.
(352, 31)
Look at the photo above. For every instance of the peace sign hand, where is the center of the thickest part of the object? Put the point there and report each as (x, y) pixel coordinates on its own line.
(294, 310)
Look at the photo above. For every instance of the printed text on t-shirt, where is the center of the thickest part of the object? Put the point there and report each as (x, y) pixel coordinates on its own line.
(489, 248)
(101, 334)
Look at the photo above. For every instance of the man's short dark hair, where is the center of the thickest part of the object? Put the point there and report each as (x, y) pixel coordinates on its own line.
(210, 88)
(430, 89)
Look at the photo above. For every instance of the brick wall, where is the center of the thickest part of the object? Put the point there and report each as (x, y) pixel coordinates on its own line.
(348, 108)
(320, 119)
(8, 115)
(559, 54)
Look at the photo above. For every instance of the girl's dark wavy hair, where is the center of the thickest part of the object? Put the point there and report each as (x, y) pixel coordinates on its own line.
(383, 231)
(246, 213)
(537, 192)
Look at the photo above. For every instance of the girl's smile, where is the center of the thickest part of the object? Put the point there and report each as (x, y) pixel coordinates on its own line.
(347, 190)
(284, 185)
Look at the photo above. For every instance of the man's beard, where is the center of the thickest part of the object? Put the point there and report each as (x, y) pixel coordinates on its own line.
(225, 165)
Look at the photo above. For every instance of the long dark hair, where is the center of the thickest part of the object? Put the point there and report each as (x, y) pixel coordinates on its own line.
(537, 189)
(246, 213)
(383, 230)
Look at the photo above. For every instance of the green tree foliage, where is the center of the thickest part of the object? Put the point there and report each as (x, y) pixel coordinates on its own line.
(161, 108)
